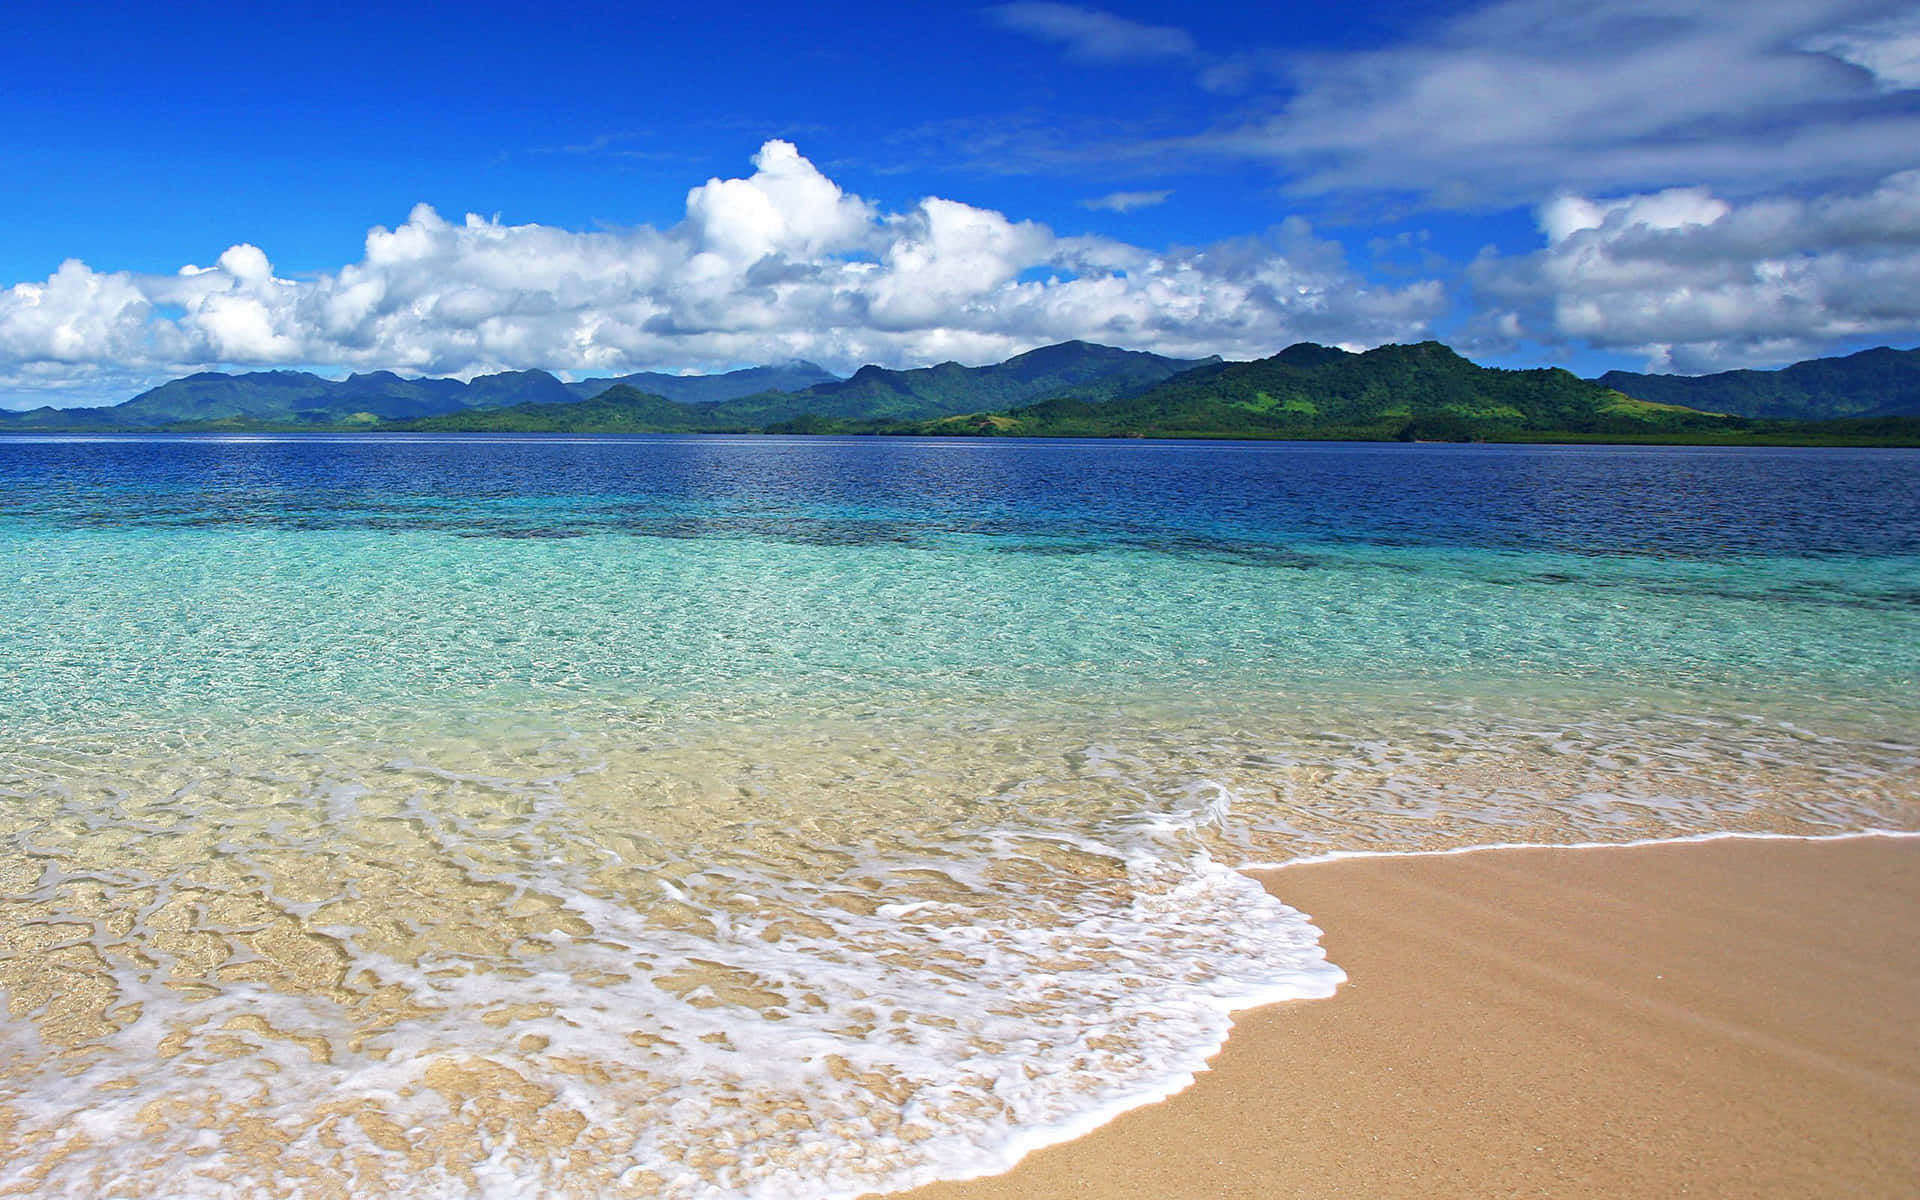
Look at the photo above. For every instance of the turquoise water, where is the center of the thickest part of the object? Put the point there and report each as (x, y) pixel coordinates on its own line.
(704, 816)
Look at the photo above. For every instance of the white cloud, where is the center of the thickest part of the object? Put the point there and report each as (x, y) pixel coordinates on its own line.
(1093, 35)
(786, 207)
(1889, 50)
(1124, 202)
(1694, 282)
(1518, 99)
(778, 264)
(236, 310)
(77, 316)
(1502, 104)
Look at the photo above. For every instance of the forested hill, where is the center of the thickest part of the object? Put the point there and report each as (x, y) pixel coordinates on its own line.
(789, 376)
(619, 409)
(1873, 383)
(1423, 391)
(874, 395)
(302, 400)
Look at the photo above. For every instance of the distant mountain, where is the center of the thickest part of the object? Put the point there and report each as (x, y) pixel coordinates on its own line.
(618, 409)
(385, 394)
(1424, 392)
(874, 394)
(48, 419)
(1873, 383)
(1075, 389)
(211, 396)
(714, 389)
(515, 387)
(299, 399)
(1083, 369)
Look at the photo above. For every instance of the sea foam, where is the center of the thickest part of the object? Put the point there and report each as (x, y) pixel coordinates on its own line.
(819, 960)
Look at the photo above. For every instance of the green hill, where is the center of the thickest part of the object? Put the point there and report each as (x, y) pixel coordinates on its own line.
(1074, 389)
(619, 409)
(1873, 383)
(714, 389)
(300, 400)
(1418, 392)
(385, 394)
(877, 394)
(208, 396)
(874, 394)
(515, 388)
(48, 419)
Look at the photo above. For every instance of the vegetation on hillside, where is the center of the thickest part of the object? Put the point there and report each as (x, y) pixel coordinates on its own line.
(1872, 383)
(619, 409)
(713, 389)
(1422, 392)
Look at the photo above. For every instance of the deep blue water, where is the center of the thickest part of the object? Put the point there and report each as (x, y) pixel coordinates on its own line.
(1672, 501)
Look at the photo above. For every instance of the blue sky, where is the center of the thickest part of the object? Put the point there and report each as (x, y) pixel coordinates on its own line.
(1632, 183)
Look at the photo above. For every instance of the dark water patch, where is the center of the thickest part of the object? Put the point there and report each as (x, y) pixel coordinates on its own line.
(1228, 551)
(520, 534)
(1676, 503)
(1047, 549)
(1809, 593)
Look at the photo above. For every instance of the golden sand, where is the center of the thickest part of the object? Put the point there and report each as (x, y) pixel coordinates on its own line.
(1727, 1018)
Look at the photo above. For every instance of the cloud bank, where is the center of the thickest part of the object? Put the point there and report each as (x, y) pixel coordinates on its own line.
(782, 263)
(1693, 282)
(1713, 188)
(1515, 100)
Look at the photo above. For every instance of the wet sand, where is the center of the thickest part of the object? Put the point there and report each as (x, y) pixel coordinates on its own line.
(1726, 1018)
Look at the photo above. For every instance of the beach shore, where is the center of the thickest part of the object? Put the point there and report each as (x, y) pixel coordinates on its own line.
(1722, 1018)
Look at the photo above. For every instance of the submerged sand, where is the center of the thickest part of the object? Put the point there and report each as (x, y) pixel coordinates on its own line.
(1725, 1018)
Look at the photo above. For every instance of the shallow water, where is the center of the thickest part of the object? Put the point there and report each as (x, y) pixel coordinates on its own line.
(705, 816)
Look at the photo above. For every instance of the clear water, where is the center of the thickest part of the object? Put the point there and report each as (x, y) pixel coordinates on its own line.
(714, 817)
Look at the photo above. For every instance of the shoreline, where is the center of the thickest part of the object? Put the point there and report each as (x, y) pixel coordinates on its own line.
(1758, 441)
(1728, 1015)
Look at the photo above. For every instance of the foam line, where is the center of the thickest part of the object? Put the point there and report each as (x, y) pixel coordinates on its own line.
(1721, 835)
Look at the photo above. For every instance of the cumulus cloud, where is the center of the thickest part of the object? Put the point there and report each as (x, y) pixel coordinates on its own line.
(1515, 100)
(1695, 282)
(77, 316)
(780, 263)
(1093, 35)
(1124, 202)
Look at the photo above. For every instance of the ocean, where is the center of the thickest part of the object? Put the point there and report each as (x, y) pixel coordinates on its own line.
(762, 817)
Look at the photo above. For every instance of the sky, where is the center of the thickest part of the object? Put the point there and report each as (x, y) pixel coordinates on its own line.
(594, 189)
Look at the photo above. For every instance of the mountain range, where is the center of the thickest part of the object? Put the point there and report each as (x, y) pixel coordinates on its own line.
(1424, 391)
(1410, 392)
(712, 389)
(1873, 383)
(293, 399)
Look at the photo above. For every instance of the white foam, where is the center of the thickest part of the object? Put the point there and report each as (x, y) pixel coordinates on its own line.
(1082, 1005)
(1675, 840)
(753, 968)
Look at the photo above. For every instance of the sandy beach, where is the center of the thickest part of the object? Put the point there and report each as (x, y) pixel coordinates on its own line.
(1723, 1018)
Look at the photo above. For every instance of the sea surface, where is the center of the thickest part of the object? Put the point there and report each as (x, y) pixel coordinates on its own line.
(760, 817)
